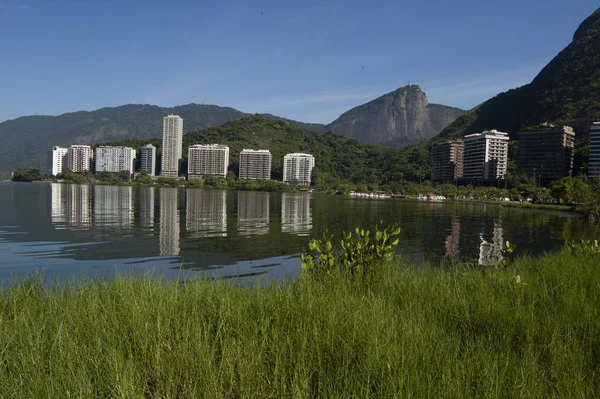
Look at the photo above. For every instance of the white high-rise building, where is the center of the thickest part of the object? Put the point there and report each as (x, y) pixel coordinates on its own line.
(171, 145)
(80, 158)
(297, 168)
(594, 164)
(485, 156)
(208, 160)
(57, 160)
(114, 159)
(255, 165)
(148, 156)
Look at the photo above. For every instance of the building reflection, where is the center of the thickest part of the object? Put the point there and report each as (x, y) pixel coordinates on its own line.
(71, 206)
(296, 216)
(453, 240)
(147, 195)
(113, 206)
(253, 213)
(169, 222)
(490, 250)
(206, 213)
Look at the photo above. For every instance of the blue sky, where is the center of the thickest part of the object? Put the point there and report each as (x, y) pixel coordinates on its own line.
(306, 60)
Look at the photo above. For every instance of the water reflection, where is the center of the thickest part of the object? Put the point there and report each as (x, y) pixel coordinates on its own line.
(490, 248)
(169, 223)
(206, 213)
(296, 215)
(453, 240)
(253, 213)
(113, 206)
(70, 206)
(147, 195)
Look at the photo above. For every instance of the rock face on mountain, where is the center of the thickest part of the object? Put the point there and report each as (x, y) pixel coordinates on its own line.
(564, 92)
(402, 115)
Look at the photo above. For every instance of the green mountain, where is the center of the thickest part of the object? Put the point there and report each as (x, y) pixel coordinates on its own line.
(400, 118)
(565, 92)
(336, 157)
(27, 139)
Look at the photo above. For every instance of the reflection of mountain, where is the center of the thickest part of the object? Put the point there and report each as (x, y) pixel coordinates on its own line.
(296, 216)
(490, 252)
(206, 213)
(253, 213)
(169, 222)
(453, 240)
(113, 206)
(70, 206)
(146, 195)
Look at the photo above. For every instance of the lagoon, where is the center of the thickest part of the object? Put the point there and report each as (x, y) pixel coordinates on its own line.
(66, 231)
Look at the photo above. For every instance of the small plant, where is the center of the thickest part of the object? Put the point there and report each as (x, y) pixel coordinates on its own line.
(357, 255)
(584, 247)
(507, 249)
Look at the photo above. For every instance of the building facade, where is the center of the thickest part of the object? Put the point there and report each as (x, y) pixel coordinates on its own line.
(79, 158)
(546, 154)
(57, 160)
(171, 145)
(297, 168)
(148, 158)
(255, 165)
(447, 160)
(207, 160)
(114, 159)
(594, 164)
(485, 156)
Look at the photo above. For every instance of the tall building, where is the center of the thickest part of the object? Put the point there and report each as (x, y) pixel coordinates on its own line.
(594, 164)
(447, 160)
(255, 165)
(207, 160)
(485, 156)
(114, 159)
(546, 153)
(148, 156)
(57, 160)
(79, 158)
(171, 145)
(297, 168)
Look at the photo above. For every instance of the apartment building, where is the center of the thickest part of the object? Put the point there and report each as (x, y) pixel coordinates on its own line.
(447, 160)
(171, 145)
(207, 160)
(114, 159)
(297, 168)
(79, 158)
(255, 165)
(148, 159)
(594, 162)
(57, 160)
(485, 156)
(546, 153)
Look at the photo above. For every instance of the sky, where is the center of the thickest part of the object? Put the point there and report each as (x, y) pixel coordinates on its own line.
(304, 60)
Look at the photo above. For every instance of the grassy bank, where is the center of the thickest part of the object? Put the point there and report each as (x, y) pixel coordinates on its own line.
(529, 330)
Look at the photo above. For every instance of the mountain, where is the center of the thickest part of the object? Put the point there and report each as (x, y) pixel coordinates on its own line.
(336, 157)
(26, 140)
(402, 116)
(564, 92)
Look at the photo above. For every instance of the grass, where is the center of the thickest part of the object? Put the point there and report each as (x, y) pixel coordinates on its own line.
(529, 330)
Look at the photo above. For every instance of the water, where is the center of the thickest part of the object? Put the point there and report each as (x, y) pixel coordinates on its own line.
(65, 231)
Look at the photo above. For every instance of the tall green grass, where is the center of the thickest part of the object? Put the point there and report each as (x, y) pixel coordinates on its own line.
(529, 330)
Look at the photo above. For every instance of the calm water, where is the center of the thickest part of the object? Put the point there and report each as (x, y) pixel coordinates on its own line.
(71, 230)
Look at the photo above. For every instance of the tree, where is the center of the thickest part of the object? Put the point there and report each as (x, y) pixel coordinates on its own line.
(27, 175)
(124, 175)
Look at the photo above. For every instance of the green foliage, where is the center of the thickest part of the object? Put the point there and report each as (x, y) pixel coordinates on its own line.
(357, 256)
(27, 175)
(507, 250)
(584, 247)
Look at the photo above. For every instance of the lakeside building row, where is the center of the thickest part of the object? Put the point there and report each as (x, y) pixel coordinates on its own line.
(545, 153)
(80, 158)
